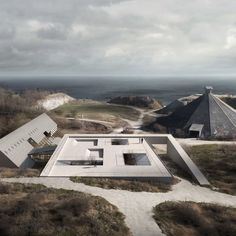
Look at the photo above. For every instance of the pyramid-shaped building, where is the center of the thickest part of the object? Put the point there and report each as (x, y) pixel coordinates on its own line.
(205, 117)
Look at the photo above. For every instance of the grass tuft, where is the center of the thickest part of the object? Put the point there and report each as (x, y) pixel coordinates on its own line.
(124, 184)
(195, 219)
(40, 211)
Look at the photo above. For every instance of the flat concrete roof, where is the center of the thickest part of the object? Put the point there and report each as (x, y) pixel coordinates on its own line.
(76, 154)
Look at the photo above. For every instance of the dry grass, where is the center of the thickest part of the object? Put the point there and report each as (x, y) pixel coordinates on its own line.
(75, 109)
(230, 101)
(195, 219)
(15, 172)
(174, 169)
(39, 211)
(218, 163)
(130, 185)
(76, 126)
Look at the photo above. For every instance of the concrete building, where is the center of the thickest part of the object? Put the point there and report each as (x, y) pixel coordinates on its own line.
(14, 147)
(206, 117)
(118, 156)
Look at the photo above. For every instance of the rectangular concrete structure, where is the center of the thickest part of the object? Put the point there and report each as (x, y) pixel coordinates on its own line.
(117, 156)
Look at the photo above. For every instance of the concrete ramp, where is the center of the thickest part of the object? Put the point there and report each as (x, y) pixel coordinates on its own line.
(181, 158)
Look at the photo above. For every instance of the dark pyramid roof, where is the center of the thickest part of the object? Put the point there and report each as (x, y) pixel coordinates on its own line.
(218, 118)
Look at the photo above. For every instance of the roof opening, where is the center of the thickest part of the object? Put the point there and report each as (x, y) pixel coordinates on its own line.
(136, 159)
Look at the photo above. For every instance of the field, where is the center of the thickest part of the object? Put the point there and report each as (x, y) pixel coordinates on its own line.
(130, 185)
(70, 126)
(218, 163)
(195, 219)
(40, 211)
(96, 110)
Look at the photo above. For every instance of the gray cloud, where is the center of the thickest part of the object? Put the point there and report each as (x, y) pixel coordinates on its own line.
(127, 37)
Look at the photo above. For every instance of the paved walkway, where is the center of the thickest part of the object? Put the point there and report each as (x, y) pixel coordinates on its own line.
(137, 206)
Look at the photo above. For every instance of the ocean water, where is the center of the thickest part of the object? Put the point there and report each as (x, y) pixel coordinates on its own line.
(165, 89)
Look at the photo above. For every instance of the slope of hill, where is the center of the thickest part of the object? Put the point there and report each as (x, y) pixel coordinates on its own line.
(18, 108)
(137, 101)
(54, 100)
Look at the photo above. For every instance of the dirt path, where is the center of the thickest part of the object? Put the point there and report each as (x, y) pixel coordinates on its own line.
(136, 125)
(137, 206)
(195, 142)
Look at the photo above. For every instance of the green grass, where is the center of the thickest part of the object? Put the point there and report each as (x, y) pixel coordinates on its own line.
(195, 219)
(130, 185)
(218, 163)
(73, 110)
(40, 211)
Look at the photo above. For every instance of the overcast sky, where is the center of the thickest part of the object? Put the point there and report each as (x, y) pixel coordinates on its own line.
(118, 37)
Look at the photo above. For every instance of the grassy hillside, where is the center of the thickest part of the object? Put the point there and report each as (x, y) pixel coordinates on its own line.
(195, 219)
(137, 101)
(91, 110)
(39, 211)
(218, 163)
(77, 126)
(17, 108)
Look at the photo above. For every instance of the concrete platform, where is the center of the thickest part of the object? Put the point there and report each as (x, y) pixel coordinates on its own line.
(116, 156)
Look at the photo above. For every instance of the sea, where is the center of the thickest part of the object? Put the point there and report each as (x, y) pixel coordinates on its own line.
(166, 89)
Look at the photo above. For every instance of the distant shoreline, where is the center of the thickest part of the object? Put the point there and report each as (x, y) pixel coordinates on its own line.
(102, 88)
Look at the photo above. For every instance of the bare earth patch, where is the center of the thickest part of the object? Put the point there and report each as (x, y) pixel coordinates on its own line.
(40, 211)
(195, 219)
(122, 184)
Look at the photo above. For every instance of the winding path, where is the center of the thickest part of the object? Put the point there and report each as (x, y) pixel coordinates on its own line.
(137, 206)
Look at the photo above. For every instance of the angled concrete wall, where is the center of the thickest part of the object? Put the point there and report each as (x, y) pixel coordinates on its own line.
(6, 162)
(181, 158)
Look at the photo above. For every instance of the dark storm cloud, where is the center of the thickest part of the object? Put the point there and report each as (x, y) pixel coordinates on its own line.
(117, 37)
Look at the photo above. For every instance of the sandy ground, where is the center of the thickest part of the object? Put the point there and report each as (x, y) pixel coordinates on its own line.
(54, 100)
(137, 206)
(195, 142)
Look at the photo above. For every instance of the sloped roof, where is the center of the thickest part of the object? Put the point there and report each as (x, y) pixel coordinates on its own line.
(218, 118)
(15, 146)
(176, 104)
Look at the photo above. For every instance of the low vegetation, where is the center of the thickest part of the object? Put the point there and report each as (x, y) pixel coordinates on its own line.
(150, 125)
(195, 219)
(130, 185)
(17, 109)
(16, 172)
(39, 211)
(76, 109)
(230, 101)
(218, 163)
(174, 169)
(137, 101)
(79, 126)
(147, 119)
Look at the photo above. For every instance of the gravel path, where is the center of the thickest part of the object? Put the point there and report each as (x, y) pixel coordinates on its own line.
(195, 142)
(137, 206)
